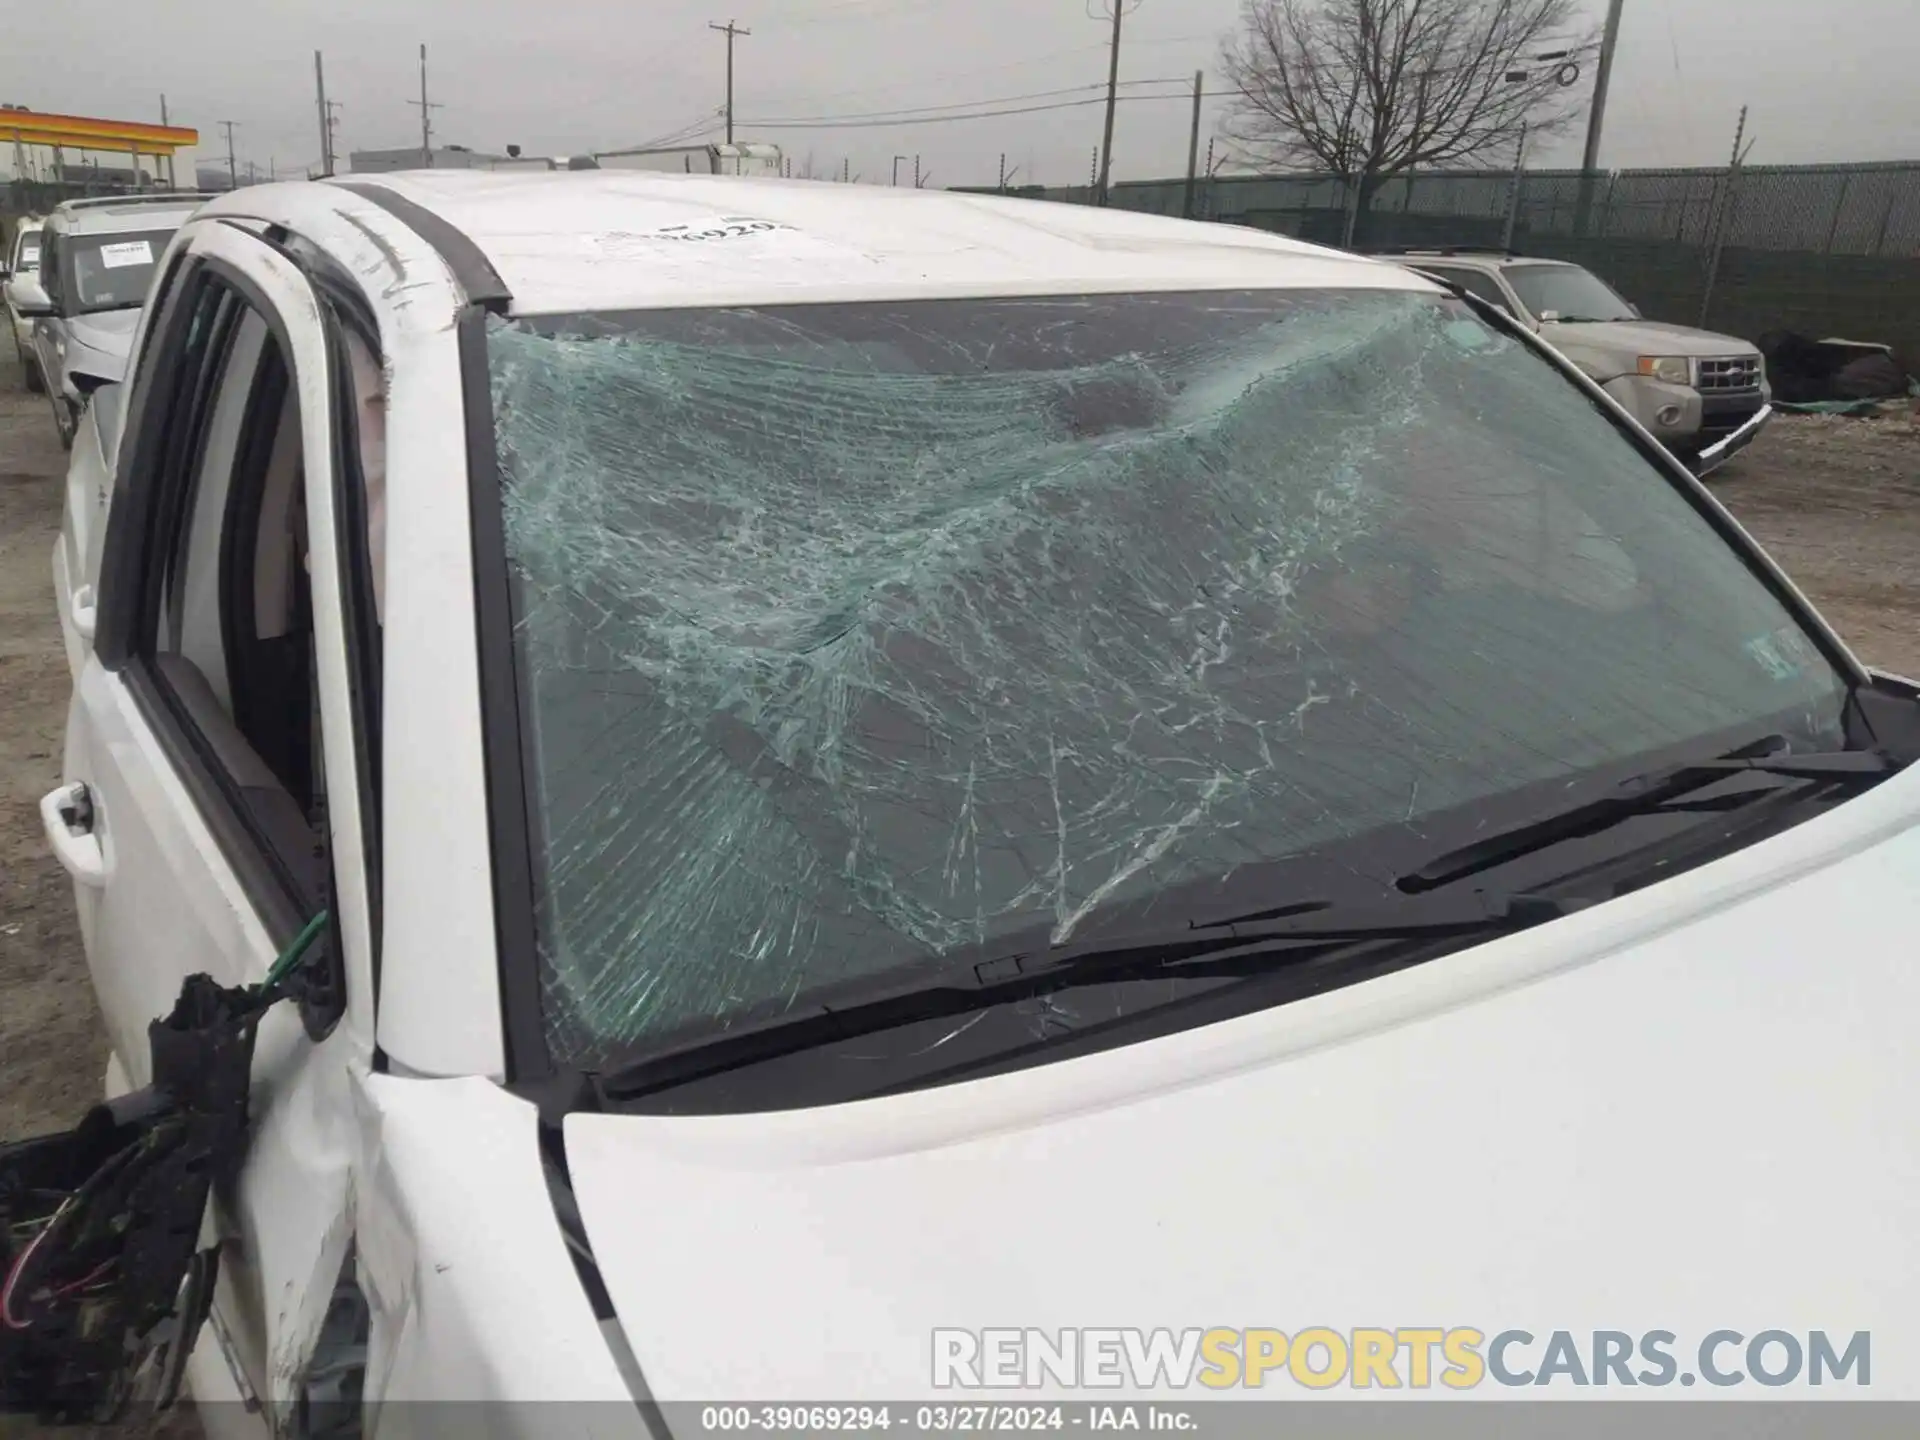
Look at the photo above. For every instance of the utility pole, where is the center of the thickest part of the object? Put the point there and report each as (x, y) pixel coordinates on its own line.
(1113, 100)
(326, 116)
(730, 30)
(1721, 221)
(1519, 182)
(916, 172)
(426, 114)
(896, 168)
(1193, 144)
(1597, 116)
(233, 174)
(163, 110)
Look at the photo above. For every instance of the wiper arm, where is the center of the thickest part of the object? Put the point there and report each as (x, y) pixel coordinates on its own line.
(1644, 795)
(1234, 947)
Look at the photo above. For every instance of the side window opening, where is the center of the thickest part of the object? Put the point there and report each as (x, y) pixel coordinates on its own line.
(191, 619)
(219, 640)
(233, 639)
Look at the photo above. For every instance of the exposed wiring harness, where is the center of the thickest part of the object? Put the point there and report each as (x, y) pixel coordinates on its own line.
(290, 958)
(100, 1226)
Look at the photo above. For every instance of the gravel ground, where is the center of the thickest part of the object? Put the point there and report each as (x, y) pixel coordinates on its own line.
(1836, 501)
(52, 1049)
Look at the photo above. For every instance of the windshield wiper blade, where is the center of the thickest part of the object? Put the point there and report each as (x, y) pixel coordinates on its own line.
(1230, 948)
(1646, 794)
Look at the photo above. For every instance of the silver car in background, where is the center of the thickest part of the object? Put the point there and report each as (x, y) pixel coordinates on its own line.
(1704, 396)
(97, 261)
(22, 257)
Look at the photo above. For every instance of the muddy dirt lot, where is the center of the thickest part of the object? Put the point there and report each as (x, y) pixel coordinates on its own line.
(52, 1050)
(1837, 503)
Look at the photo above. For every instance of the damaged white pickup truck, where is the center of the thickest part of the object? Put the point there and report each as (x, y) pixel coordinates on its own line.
(674, 783)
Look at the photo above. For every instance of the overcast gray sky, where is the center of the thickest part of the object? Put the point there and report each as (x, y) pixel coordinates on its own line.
(1826, 82)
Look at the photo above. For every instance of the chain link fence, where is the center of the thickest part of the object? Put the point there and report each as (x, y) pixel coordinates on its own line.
(1824, 250)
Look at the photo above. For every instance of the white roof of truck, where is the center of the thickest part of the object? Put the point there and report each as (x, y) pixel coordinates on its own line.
(605, 240)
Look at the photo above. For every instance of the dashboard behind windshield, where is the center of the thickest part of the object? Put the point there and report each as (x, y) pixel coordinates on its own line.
(850, 635)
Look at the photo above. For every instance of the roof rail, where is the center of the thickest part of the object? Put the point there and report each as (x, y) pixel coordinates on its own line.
(1499, 250)
(139, 197)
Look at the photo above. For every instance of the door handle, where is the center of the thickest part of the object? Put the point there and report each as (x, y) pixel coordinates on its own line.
(67, 814)
(84, 611)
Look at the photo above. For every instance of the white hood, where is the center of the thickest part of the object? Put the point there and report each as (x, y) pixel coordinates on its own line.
(99, 344)
(1687, 1110)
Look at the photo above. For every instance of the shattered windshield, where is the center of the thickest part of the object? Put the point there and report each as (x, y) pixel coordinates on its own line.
(853, 634)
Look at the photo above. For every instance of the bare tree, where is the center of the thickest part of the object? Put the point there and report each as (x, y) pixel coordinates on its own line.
(1370, 89)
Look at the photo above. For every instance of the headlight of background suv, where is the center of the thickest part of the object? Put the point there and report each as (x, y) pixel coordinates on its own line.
(1674, 369)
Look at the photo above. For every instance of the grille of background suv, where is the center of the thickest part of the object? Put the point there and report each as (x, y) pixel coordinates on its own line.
(1733, 375)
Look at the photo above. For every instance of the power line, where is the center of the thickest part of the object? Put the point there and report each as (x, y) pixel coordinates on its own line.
(692, 130)
(827, 16)
(921, 82)
(949, 119)
(957, 104)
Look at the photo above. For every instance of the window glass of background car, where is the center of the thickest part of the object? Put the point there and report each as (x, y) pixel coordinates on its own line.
(26, 255)
(855, 634)
(113, 272)
(1568, 291)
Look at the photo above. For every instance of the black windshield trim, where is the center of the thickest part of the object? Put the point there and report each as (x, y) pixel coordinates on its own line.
(509, 775)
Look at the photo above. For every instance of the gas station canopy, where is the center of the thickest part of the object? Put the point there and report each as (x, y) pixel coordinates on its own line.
(79, 132)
